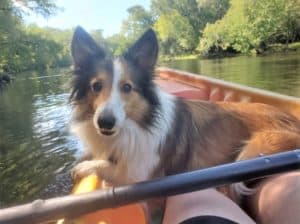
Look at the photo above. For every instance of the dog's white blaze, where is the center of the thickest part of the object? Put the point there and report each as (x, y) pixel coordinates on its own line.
(114, 104)
(140, 147)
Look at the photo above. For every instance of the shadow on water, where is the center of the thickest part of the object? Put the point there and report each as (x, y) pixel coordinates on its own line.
(35, 147)
(279, 73)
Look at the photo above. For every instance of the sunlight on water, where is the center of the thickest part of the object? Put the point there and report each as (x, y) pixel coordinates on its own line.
(36, 148)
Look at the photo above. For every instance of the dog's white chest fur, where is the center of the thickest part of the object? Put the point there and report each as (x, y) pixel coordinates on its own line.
(136, 149)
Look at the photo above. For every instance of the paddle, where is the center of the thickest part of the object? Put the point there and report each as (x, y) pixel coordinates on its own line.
(75, 205)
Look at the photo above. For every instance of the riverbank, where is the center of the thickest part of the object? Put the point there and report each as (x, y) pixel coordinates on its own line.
(271, 49)
(165, 58)
(5, 79)
(281, 48)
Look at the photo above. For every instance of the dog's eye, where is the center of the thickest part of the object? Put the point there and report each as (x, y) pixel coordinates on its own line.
(96, 87)
(126, 88)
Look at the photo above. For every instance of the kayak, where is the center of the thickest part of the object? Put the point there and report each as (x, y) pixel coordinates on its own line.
(195, 86)
(190, 86)
(129, 214)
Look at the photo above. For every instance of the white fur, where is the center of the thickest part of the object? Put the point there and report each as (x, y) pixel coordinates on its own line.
(239, 190)
(114, 104)
(136, 149)
(142, 146)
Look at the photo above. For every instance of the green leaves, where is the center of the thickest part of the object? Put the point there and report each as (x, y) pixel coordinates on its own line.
(253, 25)
(30, 47)
(175, 33)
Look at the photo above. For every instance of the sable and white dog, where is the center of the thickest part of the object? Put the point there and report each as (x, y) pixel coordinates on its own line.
(135, 131)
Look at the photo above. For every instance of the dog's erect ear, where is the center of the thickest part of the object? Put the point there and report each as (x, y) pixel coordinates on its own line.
(84, 48)
(144, 51)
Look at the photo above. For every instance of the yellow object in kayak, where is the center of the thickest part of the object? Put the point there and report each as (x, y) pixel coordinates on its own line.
(129, 214)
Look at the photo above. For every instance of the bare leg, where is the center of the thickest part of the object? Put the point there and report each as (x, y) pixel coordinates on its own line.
(277, 200)
(202, 203)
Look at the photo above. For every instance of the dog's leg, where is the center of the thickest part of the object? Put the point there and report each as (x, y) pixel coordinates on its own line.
(88, 167)
(263, 143)
(269, 142)
(110, 171)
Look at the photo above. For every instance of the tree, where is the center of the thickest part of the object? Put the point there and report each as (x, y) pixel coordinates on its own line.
(117, 43)
(29, 47)
(192, 16)
(274, 20)
(138, 21)
(45, 8)
(253, 25)
(187, 9)
(231, 33)
(175, 33)
(211, 10)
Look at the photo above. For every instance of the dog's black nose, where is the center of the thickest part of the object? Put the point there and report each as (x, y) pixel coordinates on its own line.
(106, 122)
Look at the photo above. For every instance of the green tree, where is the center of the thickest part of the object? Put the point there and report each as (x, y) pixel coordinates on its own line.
(253, 25)
(274, 20)
(211, 11)
(231, 33)
(138, 21)
(190, 16)
(30, 47)
(175, 33)
(117, 43)
(45, 8)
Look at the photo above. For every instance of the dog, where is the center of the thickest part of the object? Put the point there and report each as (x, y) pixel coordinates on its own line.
(135, 131)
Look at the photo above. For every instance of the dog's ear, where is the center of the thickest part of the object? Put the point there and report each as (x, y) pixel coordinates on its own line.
(84, 48)
(144, 51)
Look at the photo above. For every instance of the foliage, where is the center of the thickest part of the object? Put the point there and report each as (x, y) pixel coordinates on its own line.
(253, 25)
(229, 34)
(117, 43)
(183, 21)
(276, 20)
(138, 21)
(175, 33)
(30, 47)
(45, 8)
(183, 27)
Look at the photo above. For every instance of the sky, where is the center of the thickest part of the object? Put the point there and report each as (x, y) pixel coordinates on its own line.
(90, 14)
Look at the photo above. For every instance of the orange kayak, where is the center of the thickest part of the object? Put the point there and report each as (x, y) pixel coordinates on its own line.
(194, 86)
(130, 214)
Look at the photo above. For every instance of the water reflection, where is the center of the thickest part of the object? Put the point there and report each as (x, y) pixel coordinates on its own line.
(35, 147)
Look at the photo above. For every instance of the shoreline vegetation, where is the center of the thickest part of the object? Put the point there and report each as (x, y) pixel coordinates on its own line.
(272, 49)
(186, 29)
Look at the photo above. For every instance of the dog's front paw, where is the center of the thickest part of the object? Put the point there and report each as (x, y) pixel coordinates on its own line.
(86, 168)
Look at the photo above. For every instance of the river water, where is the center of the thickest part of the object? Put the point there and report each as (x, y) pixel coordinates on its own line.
(36, 150)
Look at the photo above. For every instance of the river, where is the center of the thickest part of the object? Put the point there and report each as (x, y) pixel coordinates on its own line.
(36, 149)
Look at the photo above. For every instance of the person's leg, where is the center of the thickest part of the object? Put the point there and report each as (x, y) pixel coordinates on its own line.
(277, 200)
(203, 203)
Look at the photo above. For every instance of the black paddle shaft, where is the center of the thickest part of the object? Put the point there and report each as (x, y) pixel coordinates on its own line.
(76, 205)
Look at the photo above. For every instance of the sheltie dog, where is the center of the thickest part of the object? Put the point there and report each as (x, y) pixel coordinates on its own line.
(135, 131)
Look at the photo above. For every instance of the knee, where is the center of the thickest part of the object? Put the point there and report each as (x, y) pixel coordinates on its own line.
(278, 198)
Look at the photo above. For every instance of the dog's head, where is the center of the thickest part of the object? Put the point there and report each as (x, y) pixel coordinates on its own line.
(111, 91)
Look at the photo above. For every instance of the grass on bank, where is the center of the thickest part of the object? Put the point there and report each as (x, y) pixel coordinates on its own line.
(178, 57)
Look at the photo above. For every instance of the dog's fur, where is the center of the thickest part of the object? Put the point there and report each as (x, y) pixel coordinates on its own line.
(157, 134)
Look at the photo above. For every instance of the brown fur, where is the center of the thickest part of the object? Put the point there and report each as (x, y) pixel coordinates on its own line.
(209, 134)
